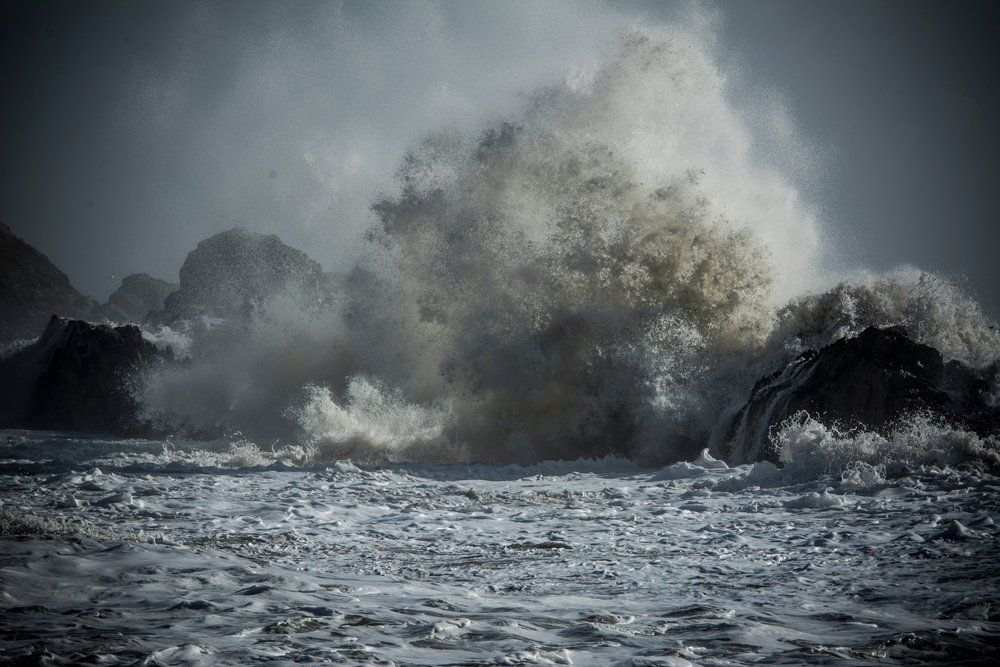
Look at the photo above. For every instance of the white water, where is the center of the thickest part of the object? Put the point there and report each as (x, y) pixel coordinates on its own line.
(136, 552)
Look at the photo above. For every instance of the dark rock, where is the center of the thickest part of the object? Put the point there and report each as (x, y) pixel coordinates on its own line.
(870, 381)
(138, 295)
(234, 274)
(32, 289)
(78, 377)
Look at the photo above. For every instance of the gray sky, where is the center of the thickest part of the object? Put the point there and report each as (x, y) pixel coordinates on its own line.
(133, 130)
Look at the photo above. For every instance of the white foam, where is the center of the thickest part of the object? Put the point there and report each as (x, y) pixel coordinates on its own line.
(375, 423)
(815, 501)
(420, 562)
(810, 448)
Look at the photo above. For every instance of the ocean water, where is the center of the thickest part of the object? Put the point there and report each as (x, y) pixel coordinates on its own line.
(178, 553)
(494, 442)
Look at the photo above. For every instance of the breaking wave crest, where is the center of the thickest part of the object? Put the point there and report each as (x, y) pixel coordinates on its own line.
(810, 448)
(932, 309)
(376, 424)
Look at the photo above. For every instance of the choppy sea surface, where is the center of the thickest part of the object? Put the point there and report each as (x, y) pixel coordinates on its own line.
(215, 553)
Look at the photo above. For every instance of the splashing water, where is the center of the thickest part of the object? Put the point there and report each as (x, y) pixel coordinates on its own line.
(605, 271)
(933, 311)
(810, 449)
(575, 272)
(376, 424)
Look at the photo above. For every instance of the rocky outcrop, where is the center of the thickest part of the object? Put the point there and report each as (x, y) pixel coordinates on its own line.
(32, 289)
(78, 377)
(138, 295)
(869, 381)
(234, 274)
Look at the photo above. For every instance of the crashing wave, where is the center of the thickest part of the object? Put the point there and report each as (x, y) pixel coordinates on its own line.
(608, 270)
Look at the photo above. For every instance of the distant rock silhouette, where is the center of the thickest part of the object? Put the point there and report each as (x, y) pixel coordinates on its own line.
(868, 381)
(85, 377)
(78, 377)
(236, 273)
(138, 295)
(32, 289)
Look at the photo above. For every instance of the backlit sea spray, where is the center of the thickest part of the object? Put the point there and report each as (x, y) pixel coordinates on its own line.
(608, 270)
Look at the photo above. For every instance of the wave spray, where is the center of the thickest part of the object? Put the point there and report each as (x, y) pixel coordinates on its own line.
(606, 270)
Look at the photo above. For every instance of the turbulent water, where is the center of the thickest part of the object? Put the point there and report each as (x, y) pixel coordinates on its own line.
(216, 553)
(548, 311)
(606, 270)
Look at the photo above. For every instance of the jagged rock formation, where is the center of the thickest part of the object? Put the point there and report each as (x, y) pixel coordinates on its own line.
(869, 381)
(77, 377)
(234, 274)
(32, 289)
(138, 295)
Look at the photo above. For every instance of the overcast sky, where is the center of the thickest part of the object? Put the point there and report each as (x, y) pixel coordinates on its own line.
(133, 130)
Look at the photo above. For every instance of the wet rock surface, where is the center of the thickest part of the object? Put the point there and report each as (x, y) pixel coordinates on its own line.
(78, 377)
(869, 381)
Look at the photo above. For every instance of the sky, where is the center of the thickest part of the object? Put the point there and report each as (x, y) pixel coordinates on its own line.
(134, 130)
